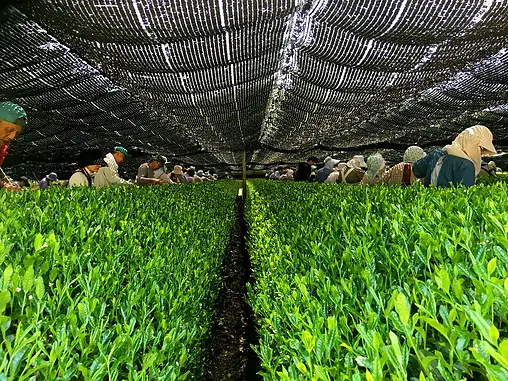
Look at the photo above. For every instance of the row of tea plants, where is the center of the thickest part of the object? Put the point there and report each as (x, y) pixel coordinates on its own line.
(110, 285)
(379, 283)
(499, 177)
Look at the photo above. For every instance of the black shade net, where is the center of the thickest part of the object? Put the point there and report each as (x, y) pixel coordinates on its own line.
(202, 81)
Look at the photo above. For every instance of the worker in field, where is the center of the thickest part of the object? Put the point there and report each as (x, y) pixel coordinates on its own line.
(323, 173)
(375, 170)
(89, 163)
(162, 173)
(304, 171)
(290, 174)
(488, 169)
(351, 172)
(108, 175)
(458, 163)
(287, 174)
(190, 175)
(176, 175)
(202, 177)
(148, 173)
(12, 121)
(210, 177)
(23, 182)
(402, 173)
(48, 180)
(213, 175)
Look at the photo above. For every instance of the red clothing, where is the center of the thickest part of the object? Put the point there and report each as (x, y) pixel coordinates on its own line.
(3, 153)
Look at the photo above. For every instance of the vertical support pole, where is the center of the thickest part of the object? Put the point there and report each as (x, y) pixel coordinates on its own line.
(244, 173)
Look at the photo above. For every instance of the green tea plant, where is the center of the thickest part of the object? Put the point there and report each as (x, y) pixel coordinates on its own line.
(116, 284)
(379, 283)
(499, 177)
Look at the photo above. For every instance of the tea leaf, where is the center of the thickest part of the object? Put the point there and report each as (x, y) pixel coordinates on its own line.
(7, 276)
(491, 266)
(321, 373)
(38, 242)
(443, 280)
(493, 333)
(503, 349)
(497, 356)
(5, 298)
(480, 323)
(402, 309)
(17, 358)
(39, 287)
(28, 279)
(396, 347)
(496, 373)
(438, 326)
(302, 367)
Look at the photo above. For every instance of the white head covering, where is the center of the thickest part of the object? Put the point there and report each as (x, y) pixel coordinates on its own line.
(374, 164)
(52, 176)
(330, 163)
(357, 162)
(413, 153)
(178, 170)
(469, 143)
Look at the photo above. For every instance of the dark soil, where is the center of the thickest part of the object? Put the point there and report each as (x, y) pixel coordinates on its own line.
(230, 356)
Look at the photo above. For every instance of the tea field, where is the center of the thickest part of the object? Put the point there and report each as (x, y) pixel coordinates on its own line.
(379, 283)
(351, 283)
(500, 177)
(110, 285)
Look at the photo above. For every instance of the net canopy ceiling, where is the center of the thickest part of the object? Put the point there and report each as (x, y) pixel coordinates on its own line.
(203, 80)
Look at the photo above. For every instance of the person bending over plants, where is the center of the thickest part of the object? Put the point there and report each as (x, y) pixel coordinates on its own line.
(12, 121)
(458, 163)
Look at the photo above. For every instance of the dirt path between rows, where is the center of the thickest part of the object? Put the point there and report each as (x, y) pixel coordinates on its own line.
(233, 332)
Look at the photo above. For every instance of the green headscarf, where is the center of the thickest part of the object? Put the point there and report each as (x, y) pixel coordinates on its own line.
(11, 112)
(124, 151)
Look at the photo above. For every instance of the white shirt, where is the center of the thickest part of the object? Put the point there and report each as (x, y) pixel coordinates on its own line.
(111, 162)
(108, 175)
(79, 179)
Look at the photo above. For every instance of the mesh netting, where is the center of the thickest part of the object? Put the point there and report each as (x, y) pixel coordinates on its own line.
(201, 81)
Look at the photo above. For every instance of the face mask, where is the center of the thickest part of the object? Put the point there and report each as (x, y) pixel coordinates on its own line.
(313, 167)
